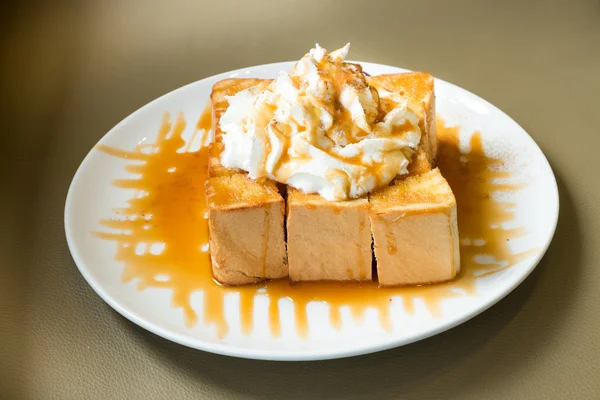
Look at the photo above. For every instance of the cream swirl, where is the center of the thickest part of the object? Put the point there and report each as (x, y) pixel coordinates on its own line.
(319, 128)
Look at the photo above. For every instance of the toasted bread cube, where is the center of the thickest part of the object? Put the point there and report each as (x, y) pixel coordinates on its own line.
(247, 239)
(418, 89)
(415, 231)
(328, 240)
(221, 89)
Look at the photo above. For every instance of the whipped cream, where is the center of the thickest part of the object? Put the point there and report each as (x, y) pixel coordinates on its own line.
(319, 128)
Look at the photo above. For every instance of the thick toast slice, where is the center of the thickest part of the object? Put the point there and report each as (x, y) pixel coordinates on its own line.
(246, 217)
(415, 231)
(414, 221)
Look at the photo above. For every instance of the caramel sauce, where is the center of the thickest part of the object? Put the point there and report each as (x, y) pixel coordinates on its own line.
(169, 208)
(205, 121)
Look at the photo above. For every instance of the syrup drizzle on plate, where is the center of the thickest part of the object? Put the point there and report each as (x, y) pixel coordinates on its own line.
(162, 235)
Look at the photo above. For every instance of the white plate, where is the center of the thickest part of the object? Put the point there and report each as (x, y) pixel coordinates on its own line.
(92, 197)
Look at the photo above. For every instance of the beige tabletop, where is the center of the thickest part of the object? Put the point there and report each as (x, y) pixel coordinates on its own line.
(71, 70)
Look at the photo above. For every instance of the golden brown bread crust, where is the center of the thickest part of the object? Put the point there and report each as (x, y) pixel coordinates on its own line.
(427, 188)
(237, 191)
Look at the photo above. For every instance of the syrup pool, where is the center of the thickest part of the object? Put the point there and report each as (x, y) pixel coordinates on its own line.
(162, 234)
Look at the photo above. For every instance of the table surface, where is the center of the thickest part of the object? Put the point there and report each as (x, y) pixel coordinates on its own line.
(72, 69)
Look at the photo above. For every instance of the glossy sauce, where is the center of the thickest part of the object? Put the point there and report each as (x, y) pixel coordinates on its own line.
(205, 121)
(169, 208)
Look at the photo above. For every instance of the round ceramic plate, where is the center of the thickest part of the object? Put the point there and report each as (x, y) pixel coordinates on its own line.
(527, 193)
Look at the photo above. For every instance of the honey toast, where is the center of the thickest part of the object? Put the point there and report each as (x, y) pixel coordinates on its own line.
(332, 240)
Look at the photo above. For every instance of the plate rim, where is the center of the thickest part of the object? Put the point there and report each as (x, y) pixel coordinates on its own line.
(278, 355)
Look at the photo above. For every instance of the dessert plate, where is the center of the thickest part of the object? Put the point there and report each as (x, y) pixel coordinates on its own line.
(502, 239)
